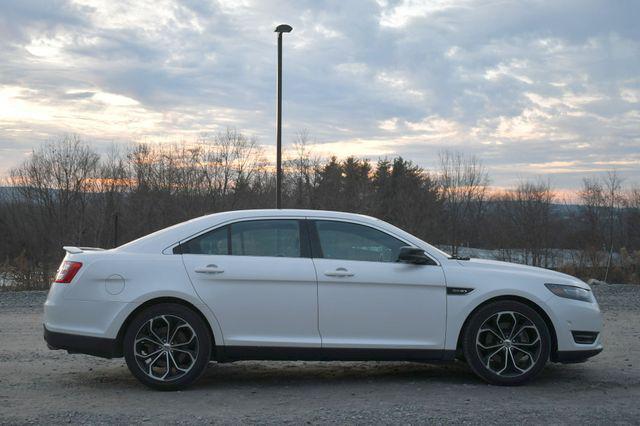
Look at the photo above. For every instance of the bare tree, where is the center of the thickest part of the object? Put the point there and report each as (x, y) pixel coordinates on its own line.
(614, 201)
(113, 185)
(230, 162)
(463, 183)
(632, 218)
(52, 191)
(58, 177)
(300, 171)
(600, 216)
(592, 219)
(529, 222)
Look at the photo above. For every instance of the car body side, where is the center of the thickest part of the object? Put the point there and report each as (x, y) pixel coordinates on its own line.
(116, 283)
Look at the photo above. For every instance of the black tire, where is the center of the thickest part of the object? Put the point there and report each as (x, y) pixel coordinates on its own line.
(523, 360)
(195, 333)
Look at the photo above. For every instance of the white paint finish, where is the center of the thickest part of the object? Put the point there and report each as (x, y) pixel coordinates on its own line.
(492, 279)
(381, 304)
(274, 301)
(260, 301)
(146, 277)
(114, 284)
(142, 273)
(575, 315)
(87, 318)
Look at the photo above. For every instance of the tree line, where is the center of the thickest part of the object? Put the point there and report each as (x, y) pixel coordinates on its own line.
(66, 193)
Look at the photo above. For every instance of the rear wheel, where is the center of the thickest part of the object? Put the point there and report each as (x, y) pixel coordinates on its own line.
(167, 346)
(506, 343)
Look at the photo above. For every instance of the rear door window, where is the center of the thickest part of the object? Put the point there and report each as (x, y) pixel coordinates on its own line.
(275, 238)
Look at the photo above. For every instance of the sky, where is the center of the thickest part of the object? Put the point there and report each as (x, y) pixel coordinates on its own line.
(535, 89)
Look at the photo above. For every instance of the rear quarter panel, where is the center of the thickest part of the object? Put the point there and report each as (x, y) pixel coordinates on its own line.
(143, 276)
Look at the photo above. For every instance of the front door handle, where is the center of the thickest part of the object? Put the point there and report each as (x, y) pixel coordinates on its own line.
(339, 272)
(209, 269)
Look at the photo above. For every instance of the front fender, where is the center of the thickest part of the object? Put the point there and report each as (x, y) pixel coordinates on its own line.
(459, 308)
(488, 284)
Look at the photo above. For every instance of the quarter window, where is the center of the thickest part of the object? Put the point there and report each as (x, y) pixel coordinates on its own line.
(212, 243)
(350, 241)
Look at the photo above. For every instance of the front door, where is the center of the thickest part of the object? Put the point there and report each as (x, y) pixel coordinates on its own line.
(369, 300)
(259, 281)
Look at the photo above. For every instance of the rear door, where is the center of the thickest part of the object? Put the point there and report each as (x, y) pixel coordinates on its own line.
(259, 280)
(369, 300)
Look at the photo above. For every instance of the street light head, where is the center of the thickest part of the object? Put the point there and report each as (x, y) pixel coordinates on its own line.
(283, 28)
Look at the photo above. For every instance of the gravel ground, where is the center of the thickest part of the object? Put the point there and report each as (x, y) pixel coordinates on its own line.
(51, 387)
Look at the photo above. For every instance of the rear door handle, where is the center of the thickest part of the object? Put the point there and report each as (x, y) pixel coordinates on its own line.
(209, 269)
(339, 272)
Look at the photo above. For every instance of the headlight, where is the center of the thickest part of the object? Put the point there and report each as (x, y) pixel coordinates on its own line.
(570, 292)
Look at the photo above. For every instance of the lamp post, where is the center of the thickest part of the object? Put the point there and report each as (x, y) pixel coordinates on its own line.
(283, 28)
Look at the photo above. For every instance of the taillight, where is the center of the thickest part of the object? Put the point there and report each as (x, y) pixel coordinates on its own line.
(67, 271)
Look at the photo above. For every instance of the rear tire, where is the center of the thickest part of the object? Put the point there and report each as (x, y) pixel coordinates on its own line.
(167, 346)
(506, 343)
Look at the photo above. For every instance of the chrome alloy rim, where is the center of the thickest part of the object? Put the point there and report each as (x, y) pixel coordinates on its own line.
(166, 347)
(508, 344)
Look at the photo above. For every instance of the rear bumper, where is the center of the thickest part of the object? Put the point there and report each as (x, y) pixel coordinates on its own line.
(74, 343)
(572, 357)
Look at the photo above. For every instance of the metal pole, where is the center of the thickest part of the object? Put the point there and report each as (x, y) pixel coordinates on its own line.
(283, 28)
(279, 128)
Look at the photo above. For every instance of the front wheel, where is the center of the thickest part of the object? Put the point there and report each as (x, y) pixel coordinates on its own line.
(167, 346)
(506, 343)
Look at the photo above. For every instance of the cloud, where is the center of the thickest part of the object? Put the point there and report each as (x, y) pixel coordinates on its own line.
(547, 89)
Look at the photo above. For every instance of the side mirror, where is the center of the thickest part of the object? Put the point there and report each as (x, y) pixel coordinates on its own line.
(414, 255)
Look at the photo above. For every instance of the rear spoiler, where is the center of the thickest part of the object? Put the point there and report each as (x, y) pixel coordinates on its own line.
(76, 250)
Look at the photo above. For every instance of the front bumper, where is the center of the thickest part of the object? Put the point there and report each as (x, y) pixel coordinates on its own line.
(74, 343)
(574, 357)
(573, 322)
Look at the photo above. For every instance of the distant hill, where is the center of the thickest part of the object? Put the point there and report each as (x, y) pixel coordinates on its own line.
(7, 192)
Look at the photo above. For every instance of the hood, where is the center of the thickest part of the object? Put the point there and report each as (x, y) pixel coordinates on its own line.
(546, 275)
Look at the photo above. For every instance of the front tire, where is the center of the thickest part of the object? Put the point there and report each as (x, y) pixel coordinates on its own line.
(506, 343)
(167, 346)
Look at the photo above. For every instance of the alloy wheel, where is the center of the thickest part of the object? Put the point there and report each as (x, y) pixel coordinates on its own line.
(166, 347)
(508, 344)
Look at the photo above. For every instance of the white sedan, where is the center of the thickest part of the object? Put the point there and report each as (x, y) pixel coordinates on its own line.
(311, 285)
